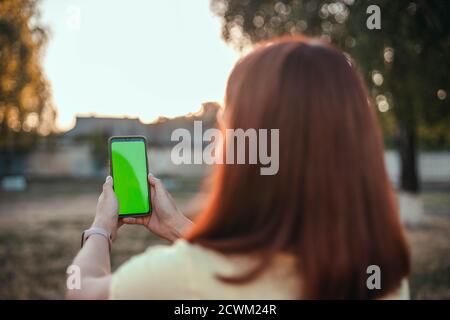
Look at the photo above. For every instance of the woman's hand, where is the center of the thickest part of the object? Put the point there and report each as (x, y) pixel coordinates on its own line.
(106, 216)
(166, 220)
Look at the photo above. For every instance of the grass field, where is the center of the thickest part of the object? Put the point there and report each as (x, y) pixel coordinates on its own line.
(40, 235)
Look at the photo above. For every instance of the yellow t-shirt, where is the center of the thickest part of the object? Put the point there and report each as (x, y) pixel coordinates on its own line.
(188, 271)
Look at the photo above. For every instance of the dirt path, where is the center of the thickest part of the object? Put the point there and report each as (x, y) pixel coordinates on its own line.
(40, 233)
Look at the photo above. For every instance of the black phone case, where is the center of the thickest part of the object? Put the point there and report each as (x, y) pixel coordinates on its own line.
(130, 138)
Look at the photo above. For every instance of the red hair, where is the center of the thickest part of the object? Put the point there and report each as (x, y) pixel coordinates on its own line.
(331, 203)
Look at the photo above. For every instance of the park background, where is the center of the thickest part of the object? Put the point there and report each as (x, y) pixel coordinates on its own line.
(72, 73)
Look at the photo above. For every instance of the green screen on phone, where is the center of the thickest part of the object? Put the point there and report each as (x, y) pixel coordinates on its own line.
(129, 169)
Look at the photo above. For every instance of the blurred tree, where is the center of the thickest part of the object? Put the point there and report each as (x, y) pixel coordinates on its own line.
(26, 109)
(405, 63)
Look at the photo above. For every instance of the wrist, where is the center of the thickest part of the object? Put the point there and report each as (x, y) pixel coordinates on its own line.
(101, 223)
(94, 232)
(177, 226)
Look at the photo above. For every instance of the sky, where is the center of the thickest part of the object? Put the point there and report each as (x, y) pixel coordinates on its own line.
(135, 58)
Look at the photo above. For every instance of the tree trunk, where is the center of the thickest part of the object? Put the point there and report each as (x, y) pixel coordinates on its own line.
(407, 145)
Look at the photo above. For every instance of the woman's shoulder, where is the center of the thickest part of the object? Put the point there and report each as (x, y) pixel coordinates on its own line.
(179, 247)
(188, 270)
(402, 292)
(157, 273)
(160, 272)
(179, 251)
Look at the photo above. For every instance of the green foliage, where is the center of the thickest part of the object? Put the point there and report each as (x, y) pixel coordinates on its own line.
(25, 99)
(405, 63)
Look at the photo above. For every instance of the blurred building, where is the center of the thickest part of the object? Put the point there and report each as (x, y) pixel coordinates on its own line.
(82, 152)
(85, 126)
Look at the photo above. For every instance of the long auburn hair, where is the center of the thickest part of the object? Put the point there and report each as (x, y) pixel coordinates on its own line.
(331, 203)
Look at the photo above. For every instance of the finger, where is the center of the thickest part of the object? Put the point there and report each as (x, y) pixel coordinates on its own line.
(152, 179)
(108, 185)
(132, 220)
(152, 195)
(155, 182)
(129, 220)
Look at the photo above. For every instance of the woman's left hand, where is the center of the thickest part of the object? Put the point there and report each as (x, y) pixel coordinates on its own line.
(107, 216)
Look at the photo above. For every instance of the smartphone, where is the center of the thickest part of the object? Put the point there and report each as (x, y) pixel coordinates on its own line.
(129, 169)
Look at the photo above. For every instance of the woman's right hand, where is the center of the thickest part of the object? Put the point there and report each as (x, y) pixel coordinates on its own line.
(165, 220)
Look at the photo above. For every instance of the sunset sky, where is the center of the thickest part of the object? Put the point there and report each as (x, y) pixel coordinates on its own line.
(135, 58)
